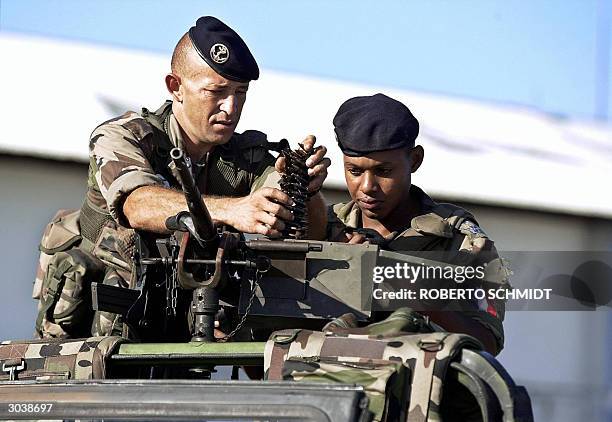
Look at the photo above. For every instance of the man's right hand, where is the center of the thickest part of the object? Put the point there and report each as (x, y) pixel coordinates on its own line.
(352, 238)
(261, 212)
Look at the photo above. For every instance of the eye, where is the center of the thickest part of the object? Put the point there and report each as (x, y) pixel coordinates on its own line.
(355, 171)
(384, 171)
(213, 91)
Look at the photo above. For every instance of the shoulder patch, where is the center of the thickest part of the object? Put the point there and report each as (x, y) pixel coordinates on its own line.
(471, 229)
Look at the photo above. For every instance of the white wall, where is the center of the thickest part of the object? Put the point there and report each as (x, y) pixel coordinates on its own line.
(562, 357)
(30, 192)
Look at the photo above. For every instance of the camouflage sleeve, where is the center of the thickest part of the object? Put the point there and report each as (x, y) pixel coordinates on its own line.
(120, 164)
(490, 313)
(335, 226)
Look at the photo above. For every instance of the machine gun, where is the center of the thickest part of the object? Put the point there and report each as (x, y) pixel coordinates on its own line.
(198, 265)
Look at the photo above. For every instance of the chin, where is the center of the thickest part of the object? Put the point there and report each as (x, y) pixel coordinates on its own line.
(374, 215)
(217, 139)
(378, 214)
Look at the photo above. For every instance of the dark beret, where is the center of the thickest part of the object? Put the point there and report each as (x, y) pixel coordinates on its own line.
(223, 49)
(374, 123)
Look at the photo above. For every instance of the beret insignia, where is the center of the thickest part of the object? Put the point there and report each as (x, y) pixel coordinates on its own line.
(219, 53)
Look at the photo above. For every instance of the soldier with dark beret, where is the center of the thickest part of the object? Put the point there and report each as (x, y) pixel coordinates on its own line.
(377, 136)
(133, 184)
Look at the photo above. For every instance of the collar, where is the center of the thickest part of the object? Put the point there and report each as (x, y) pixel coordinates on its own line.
(173, 129)
(433, 219)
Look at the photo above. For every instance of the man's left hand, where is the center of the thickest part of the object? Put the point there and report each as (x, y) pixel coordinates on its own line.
(317, 164)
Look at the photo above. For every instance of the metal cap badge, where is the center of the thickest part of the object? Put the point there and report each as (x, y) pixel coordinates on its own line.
(219, 53)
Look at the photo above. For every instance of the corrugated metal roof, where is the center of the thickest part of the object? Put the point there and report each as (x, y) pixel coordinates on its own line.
(56, 92)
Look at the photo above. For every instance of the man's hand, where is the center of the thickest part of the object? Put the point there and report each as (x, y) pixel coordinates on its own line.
(261, 212)
(352, 238)
(317, 164)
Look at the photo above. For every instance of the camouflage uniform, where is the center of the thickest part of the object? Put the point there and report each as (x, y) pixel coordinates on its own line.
(132, 151)
(439, 227)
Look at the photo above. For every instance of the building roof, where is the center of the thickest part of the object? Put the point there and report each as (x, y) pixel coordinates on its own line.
(56, 92)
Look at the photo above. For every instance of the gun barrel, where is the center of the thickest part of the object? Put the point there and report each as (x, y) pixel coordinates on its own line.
(201, 217)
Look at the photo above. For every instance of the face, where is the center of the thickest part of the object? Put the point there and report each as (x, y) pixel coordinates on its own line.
(380, 182)
(209, 105)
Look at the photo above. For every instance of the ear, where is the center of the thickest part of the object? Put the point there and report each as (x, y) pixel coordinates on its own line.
(416, 158)
(173, 85)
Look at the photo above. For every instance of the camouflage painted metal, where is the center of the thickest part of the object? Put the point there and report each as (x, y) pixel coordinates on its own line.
(384, 364)
(56, 359)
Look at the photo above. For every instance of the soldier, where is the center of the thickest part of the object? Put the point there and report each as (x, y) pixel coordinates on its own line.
(132, 183)
(377, 137)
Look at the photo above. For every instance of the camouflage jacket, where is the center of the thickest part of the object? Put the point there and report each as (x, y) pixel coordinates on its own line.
(439, 227)
(132, 151)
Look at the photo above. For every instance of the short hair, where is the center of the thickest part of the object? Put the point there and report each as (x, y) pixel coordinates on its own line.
(179, 64)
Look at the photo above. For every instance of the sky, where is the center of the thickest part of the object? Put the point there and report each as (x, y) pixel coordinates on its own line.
(547, 54)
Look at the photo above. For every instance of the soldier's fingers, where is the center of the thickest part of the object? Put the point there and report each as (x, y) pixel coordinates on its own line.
(278, 210)
(271, 221)
(266, 230)
(318, 156)
(320, 168)
(273, 233)
(262, 228)
(280, 165)
(308, 142)
(276, 195)
(283, 213)
(357, 239)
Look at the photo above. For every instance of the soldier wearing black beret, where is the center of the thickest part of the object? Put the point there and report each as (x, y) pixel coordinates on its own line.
(377, 136)
(133, 184)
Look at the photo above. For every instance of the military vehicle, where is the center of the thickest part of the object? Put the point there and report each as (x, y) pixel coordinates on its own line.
(302, 310)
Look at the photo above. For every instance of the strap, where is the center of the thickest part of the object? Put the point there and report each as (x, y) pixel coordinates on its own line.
(157, 150)
(53, 291)
(422, 380)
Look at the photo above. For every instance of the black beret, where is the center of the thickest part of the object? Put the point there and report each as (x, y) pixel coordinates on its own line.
(375, 123)
(223, 49)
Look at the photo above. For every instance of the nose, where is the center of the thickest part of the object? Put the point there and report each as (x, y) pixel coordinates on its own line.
(229, 105)
(369, 183)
